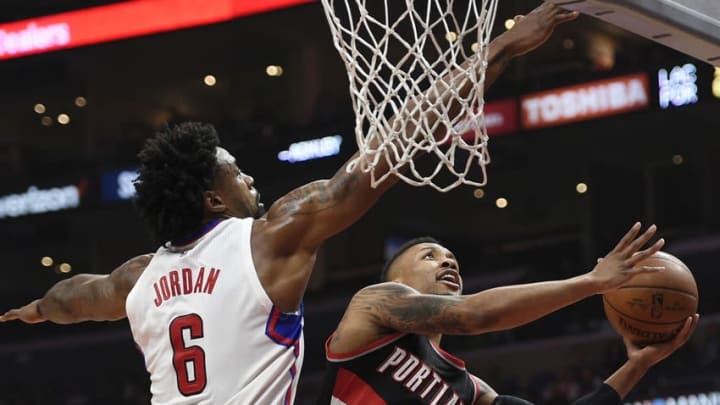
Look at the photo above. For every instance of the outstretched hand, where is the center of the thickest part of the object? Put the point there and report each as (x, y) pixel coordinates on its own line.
(28, 314)
(620, 265)
(533, 30)
(652, 354)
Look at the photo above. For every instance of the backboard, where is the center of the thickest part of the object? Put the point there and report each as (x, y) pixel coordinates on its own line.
(689, 26)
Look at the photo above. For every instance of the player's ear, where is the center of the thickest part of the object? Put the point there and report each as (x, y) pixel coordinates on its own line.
(213, 202)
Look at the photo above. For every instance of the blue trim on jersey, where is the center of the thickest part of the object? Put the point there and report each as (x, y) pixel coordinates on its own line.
(197, 234)
(284, 329)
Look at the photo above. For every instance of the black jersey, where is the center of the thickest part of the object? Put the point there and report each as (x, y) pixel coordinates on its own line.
(398, 369)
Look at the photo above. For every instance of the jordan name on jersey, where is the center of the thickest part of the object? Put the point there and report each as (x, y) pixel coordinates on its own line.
(183, 282)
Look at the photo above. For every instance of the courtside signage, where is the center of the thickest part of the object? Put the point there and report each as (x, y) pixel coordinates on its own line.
(122, 20)
(585, 101)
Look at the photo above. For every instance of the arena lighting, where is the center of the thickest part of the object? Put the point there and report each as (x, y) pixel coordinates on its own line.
(46, 261)
(65, 268)
(274, 70)
(120, 21)
(716, 83)
(63, 119)
(501, 202)
(581, 188)
(39, 108)
(80, 102)
(210, 80)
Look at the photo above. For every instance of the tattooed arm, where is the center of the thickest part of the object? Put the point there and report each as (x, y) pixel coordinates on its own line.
(396, 307)
(84, 297)
(286, 241)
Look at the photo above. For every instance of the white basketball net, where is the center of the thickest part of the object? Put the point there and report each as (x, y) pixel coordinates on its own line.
(406, 66)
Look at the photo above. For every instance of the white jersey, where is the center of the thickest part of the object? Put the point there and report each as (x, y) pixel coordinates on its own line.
(208, 330)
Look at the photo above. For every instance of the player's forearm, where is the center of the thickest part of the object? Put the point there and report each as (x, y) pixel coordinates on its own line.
(627, 376)
(68, 301)
(498, 60)
(456, 83)
(512, 306)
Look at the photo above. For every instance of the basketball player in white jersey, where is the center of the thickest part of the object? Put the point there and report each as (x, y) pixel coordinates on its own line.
(217, 310)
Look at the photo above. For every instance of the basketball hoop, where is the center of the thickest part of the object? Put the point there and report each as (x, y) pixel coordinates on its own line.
(406, 66)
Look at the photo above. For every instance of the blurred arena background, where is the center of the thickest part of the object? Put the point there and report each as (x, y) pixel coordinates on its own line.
(565, 181)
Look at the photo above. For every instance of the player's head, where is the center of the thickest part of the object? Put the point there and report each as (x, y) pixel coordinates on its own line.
(425, 265)
(186, 179)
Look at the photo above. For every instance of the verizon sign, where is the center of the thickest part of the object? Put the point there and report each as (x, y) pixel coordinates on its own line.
(40, 201)
(121, 20)
(586, 101)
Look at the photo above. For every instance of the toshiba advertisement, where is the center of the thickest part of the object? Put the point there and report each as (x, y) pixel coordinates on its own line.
(585, 101)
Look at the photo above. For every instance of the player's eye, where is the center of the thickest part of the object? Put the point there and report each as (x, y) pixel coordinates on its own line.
(428, 255)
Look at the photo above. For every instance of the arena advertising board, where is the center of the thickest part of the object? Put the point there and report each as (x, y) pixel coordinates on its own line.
(40, 200)
(120, 21)
(585, 101)
(118, 185)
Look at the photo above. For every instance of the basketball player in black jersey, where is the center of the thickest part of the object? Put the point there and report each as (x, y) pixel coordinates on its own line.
(386, 349)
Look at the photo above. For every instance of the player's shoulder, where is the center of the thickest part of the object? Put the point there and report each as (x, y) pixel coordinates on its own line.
(389, 288)
(128, 273)
(138, 263)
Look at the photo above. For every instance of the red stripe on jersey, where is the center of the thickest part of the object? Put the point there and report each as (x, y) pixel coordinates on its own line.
(352, 390)
(360, 351)
(447, 356)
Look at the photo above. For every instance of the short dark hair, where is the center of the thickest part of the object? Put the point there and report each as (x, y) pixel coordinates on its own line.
(176, 167)
(405, 246)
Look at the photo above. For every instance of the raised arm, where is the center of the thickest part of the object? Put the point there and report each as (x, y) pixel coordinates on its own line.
(622, 381)
(641, 359)
(388, 307)
(84, 297)
(324, 208)
(298, 223)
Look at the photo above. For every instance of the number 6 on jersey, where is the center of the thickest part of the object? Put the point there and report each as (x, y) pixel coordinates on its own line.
(186, 358)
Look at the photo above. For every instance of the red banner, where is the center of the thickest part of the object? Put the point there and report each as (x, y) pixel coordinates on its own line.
(500, 117)
(585, 101)
(120, 21)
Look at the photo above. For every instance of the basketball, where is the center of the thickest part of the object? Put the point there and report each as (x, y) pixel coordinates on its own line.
(653, 307)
